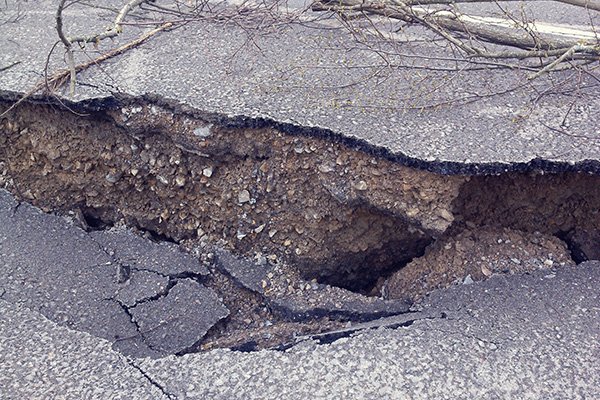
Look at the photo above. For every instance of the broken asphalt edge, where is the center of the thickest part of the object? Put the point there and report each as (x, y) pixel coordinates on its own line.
(441, 167)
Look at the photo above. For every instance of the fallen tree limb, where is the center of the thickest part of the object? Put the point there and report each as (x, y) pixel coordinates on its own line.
(524, 39)
(587, 4)
(495, 30)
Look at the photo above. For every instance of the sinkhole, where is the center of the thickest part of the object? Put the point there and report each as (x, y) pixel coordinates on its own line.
(335, 214)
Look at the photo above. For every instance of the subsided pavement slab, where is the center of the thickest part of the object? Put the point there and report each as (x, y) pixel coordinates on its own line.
(63, 272)
(528, 337)
(139, 253)
(320, 300)
(178, 320)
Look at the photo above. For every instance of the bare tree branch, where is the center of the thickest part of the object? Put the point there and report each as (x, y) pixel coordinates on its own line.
(589, 4)
(567, 54)
(495, 30)
(68, 46)
(111, 32)
(12, 18)
(469, 42)
(527, 38)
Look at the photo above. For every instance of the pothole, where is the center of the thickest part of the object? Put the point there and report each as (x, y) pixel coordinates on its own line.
(306, 217)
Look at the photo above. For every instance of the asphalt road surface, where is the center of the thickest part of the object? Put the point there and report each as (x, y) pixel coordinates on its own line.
(314, 78)
(533, 336)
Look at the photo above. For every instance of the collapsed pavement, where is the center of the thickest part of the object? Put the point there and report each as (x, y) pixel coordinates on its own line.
(284, 209)
(525, 336)
(152, 299)
(77, 280)
(286, 236)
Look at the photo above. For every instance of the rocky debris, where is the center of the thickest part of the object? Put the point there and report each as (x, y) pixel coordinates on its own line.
(178, 320)
(584, 244)
(475, 255)
(336, 213)
(258, 189)
(138, 253)
(243, 196)
(295, 299)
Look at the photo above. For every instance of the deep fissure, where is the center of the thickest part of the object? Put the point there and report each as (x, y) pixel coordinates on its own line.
(330, 213)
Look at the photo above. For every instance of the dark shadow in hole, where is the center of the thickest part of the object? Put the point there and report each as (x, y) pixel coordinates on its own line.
(95, 220)
(366, 280)
(246, 347)
(157, 237)
(577, 253)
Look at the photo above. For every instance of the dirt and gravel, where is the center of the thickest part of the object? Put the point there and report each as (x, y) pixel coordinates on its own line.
(328, 208)
(474, 255)
(319, 232)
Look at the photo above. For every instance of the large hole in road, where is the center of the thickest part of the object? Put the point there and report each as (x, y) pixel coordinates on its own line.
(336, 214)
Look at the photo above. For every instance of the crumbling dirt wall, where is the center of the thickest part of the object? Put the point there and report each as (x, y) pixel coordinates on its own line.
(335, 212)
(330, 209)
(547, 203)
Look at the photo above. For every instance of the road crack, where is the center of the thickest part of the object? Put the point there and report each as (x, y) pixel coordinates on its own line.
(403, 320)
(152, 381)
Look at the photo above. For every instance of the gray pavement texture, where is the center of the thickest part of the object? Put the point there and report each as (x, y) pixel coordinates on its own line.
(313, 78)
(175, 322)
(139, 254)
(526, 337)
(521, 337)
(133, 292)
(40, 360)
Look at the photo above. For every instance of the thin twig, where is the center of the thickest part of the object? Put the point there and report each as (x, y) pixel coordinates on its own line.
(549, 67)
(2, 69)
(574, 135)
(59, 77)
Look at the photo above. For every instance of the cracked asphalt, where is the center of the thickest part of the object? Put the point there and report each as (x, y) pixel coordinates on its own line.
(100, 315)
(144, 296)
(71, 328)
(528, 337)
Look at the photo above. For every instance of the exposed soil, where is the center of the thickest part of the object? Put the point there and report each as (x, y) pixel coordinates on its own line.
(330, 209)
(474, 255)
(530, 202)
(322, 211)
